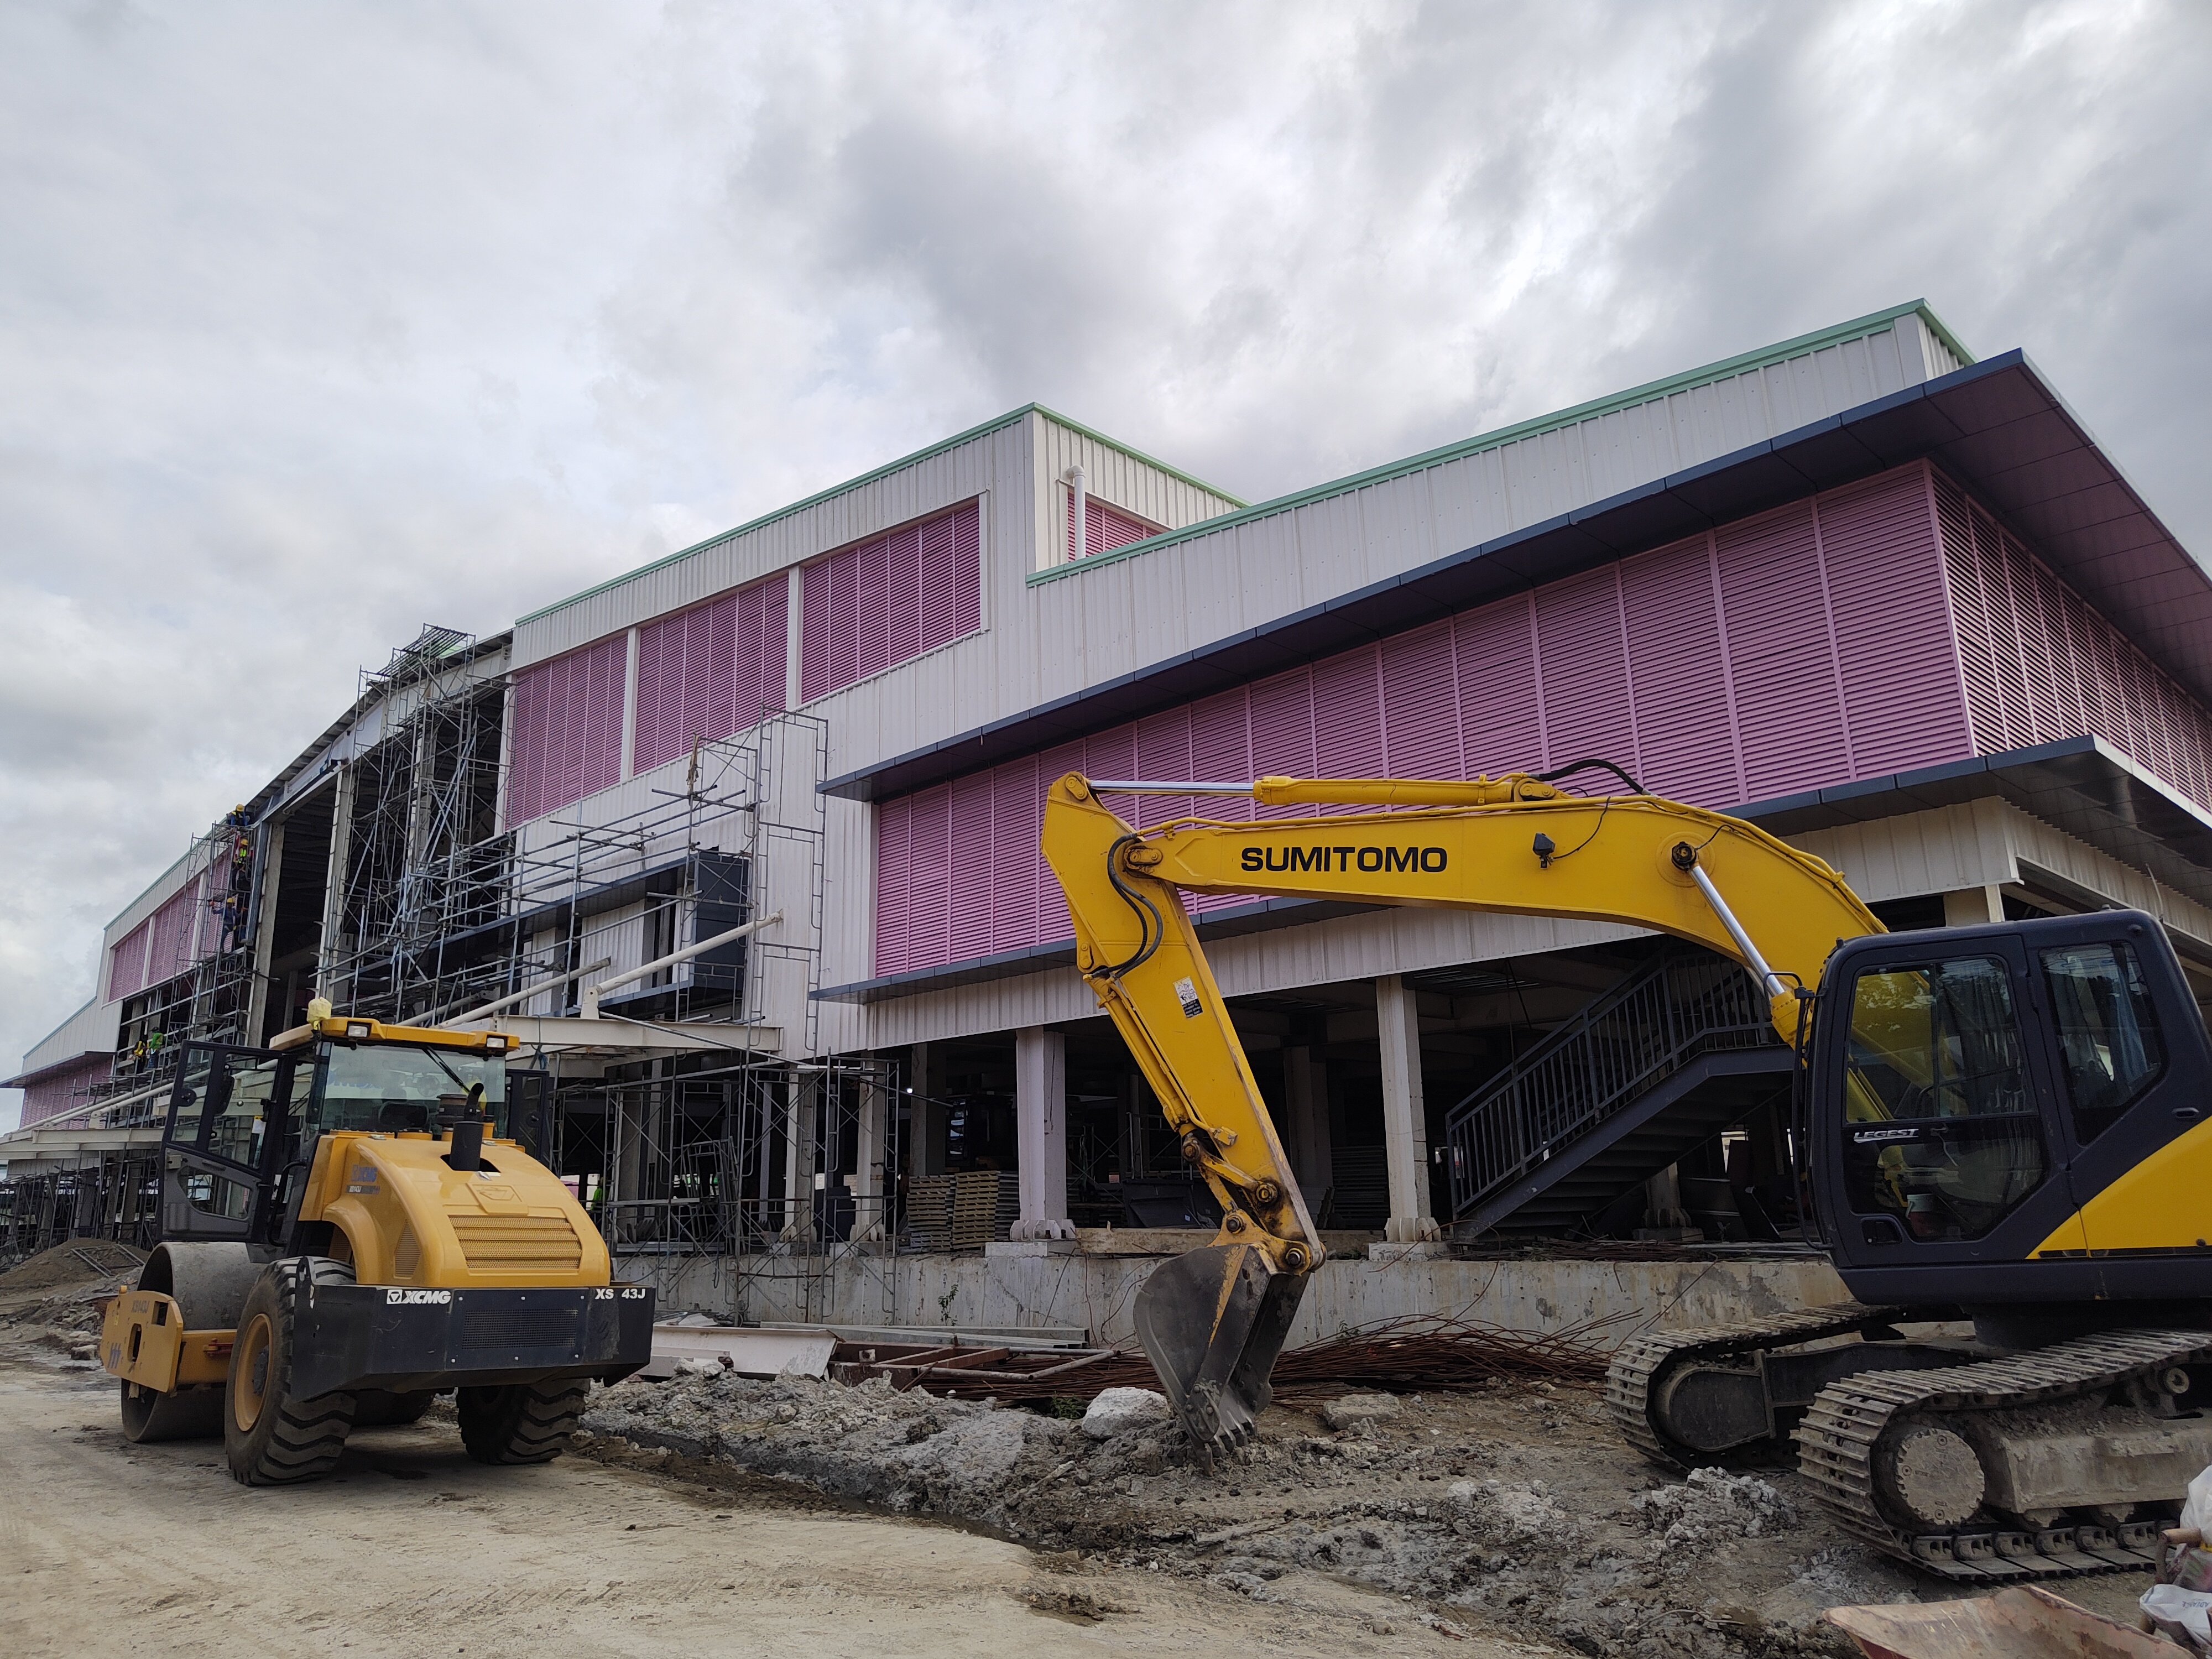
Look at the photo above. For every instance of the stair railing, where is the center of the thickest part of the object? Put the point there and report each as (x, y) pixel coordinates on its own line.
(1625, 1042)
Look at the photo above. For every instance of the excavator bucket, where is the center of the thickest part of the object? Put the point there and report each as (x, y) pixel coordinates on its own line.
(1212, 1322)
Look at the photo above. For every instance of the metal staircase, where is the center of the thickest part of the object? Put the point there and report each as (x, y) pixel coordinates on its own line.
(1675, 1053)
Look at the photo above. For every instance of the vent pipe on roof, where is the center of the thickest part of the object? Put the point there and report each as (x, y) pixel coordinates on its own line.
(1078, 539)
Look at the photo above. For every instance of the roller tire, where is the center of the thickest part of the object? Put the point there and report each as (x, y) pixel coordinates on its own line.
(187, 1414)
(521, 1422)
(377, 1408)
(270, 1438)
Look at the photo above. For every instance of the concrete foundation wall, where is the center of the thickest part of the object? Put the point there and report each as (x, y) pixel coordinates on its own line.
(1095, 1292)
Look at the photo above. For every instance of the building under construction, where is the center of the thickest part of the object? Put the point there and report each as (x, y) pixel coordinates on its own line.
(1891, 602)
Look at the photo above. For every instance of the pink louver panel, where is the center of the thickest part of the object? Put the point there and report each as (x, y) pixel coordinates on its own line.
(169, 934)
(1789, 713)
(873, 606)
(2040, 663)
(1105, 529)
(1805, 647)
(126, 963)
(710, 671)
(67, 1091)
(567, 739)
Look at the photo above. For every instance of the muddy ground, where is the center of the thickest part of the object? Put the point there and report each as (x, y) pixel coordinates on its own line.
(412, 1549)
(1508, 1519)
(1515, 1511)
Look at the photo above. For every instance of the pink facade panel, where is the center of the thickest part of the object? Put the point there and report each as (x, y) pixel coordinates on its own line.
(126, 963)
(873, 606)
(1781, 669)
(567, 733)
(2040, 663)
(1582, 639)
(1893, 631)
(1678, 663)
(709, 672)
(1876, 629)
(67, 1089)
(169, 933)
(1105, 529)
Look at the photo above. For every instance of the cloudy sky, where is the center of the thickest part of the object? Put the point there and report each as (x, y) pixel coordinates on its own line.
(319, 323)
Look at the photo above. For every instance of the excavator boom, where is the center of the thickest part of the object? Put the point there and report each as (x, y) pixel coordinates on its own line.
(1213, 1321)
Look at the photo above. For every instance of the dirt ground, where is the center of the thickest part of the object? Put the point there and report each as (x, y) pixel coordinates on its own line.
(412, 1549)
(1515, 1512)
(712, 1514)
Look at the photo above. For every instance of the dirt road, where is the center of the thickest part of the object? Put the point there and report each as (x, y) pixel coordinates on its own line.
(412, 1549)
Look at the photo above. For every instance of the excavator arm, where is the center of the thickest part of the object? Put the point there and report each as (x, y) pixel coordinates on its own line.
(1213, 1320)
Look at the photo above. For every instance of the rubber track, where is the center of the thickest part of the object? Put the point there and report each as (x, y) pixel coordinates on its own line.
(1639, 1363)
(1837, 1442)
(311, 1434)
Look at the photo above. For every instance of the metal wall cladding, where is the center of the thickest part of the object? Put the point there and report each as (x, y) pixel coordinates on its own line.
(889, 600)
(2040, 663)
(126, 963)
(710, 671)
(172, 942)
(91, 1029)
(65, 1090)
(1138, 489)
(166, 940)
(1716, 669)
(567, 740)
(1106, 528)
(996, 459)
(1094, 623)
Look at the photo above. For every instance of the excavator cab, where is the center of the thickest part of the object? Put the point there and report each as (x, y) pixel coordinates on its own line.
(2009, 1099)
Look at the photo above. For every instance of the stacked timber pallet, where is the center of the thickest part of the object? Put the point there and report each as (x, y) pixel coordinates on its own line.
(961, 1210)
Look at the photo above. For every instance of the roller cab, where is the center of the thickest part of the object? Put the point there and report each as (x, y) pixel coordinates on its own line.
(353, 1224)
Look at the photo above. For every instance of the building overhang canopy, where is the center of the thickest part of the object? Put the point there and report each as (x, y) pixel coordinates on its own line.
(2079, 785)
(1995, 426)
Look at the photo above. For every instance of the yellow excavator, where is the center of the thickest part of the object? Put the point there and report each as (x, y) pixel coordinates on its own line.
(352, 1226)
(1999, 1131)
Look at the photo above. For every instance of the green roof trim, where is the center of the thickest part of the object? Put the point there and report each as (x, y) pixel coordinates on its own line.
(1765, 357)
(884, 471)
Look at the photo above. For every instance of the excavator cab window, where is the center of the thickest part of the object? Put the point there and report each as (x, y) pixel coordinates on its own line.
(399, 1088)
(2110, 1047)
(1940, 1126)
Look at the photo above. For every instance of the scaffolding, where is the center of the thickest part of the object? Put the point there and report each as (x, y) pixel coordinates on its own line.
(390, 883)
(112, 1195)
(418, 864)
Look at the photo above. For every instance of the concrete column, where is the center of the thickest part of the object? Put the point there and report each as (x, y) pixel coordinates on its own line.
(1305, 1099)
(1405, 1116)
(1662, 1202)
(868, 1171)
(1971, 907)
(1041, 1120)
(629, 1158)
(1133, 1107)
(332, 942)
(927, 1127)
(264, 934)
(798, 1157)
